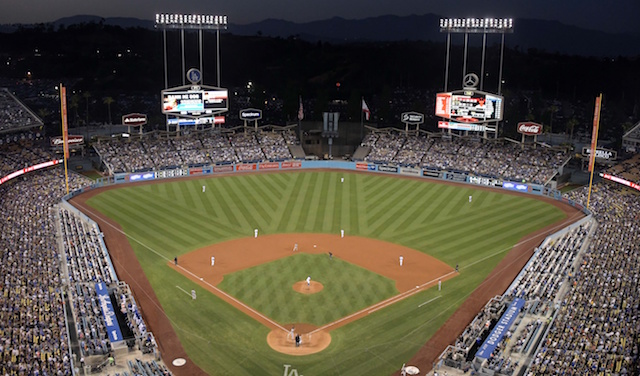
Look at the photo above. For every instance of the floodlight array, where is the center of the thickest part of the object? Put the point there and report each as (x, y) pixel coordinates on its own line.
(476, 25)
(190, 21)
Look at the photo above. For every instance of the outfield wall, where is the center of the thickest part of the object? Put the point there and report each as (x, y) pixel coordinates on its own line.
(445, 175)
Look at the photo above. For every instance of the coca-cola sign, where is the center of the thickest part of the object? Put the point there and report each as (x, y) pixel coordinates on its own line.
(529, 128)
(71, 139)
(134, 119)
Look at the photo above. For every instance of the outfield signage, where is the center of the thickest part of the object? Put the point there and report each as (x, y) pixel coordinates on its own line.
(294, 164)
(431, 174)
(521, 187)
(225, 168)
(250, 114)
(142, 176)
(461, 126)
(601, 153)
(480, 180)
(385, 168)
(71, 140)
(246, 167)
(269, 166)
(108, 314)
(409, 171)
(365, 166)
(134, 120)
(172, 173)
(621, 181)
(529, 128)
(500, 329)
(412, 117)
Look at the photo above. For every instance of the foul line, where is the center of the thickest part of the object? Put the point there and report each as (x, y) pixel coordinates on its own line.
(429, 301)
(236, 301)
(183, 290)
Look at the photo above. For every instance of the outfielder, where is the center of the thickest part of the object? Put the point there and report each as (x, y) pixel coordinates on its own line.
(470, 198)
(204, 188)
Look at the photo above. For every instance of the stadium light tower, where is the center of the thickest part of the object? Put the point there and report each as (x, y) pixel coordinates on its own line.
(482, 26)
(182, 22)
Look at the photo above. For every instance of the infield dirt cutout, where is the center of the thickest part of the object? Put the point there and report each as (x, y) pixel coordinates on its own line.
(419, 271)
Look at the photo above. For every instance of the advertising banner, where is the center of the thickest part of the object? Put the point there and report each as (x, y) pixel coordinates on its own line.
(409, 171)
(520, 187)
(246, 167)
(431, 174)
(269, 166)
(108, 314)
(293, 164)
(501, 328)
(385, 168)
(142, 176)
(225, 168)
(365, 166)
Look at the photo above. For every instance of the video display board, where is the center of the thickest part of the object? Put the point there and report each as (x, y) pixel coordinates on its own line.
(469, 106)
(196, 102)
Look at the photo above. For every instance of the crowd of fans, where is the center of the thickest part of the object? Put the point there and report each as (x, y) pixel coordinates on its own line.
(628, 169)
(33, 333)
(13, 114)
(538, 284)
(501, 159)
(158, 150)
(597, 325)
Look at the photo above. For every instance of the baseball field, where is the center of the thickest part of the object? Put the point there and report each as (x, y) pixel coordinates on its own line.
(370, 314)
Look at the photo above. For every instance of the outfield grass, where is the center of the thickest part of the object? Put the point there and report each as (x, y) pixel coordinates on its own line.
(175, 217)
(347, 289)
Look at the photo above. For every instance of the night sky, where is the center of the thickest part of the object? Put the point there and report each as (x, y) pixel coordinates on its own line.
(605, 15)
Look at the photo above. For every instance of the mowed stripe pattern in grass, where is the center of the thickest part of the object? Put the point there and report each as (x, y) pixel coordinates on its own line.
(175, 217)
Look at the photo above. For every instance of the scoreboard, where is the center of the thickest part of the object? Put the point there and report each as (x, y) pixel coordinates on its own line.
(469, 106)
(194, 103)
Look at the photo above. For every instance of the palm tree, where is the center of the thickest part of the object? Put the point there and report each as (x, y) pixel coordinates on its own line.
(108, 101)
(571, 124)
(74, 101)
(86, 95)
(552, 110)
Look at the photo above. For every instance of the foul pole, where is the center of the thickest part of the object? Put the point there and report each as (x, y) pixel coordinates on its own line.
(65, 133)
(594, 143)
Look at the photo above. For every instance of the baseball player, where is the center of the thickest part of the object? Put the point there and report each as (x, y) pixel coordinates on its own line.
(213, 260)
(295, 247)
(204, 188)
(292, 333)
(470, 198)
(255, 233)
(401, 260)
(308, 281)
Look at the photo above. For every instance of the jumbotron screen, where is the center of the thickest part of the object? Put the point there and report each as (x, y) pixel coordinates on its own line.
(469, 106)
(194, 102)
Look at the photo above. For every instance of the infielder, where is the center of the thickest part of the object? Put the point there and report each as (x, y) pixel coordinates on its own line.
(308, 281)
(213, 260)
(401, 260)
(255, 233)
(295, 247)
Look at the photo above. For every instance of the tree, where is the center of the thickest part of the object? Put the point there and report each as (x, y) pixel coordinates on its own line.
(571, 124)
(108, 101)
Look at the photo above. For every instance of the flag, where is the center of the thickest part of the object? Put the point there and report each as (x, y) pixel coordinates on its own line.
(300, 110)
(365, 109)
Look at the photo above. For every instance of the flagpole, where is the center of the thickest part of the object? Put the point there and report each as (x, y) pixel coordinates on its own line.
(361, 120)
(594, 143)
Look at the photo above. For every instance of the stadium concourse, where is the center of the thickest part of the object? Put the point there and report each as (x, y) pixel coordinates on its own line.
(577, 301)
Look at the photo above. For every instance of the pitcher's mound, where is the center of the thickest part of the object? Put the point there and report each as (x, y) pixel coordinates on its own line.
(283, 342)
(312, 288)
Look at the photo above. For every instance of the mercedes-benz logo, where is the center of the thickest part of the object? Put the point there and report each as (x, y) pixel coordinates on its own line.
(470, 80)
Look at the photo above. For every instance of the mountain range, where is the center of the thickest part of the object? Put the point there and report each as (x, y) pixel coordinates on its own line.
(548, 36)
